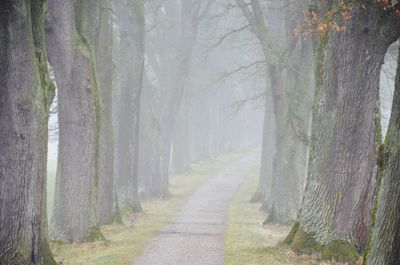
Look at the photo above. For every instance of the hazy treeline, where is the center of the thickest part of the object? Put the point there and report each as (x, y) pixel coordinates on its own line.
(143, 88)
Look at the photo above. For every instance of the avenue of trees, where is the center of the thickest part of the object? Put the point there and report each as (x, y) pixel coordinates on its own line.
(139, 89)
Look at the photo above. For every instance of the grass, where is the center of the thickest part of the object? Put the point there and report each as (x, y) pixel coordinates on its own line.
(248, 242)
(125, 242)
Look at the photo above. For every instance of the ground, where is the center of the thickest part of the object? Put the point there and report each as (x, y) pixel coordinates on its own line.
(207, 221)
(126, 242)
(248, 242)
(195, 236)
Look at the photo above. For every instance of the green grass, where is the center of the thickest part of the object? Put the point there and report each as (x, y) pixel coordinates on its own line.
(248, 242)
(125, 242)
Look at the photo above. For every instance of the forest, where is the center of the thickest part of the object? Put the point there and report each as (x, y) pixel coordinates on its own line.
(199, 132)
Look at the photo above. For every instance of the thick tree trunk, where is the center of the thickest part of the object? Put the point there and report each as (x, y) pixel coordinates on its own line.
(384, 245)
(105, 69)
(97, 28)
(130, 68)
(76, 206)
(25, 92)
(338, 195)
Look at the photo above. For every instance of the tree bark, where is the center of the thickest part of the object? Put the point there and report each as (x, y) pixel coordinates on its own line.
(384, 246)
(25, 95)
(105, 69)
(75, 217)
(338, 196)
(130, 68)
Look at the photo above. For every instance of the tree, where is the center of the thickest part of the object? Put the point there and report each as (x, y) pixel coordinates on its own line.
(335, 212)
(171, 67)
(102, 41)
(384, 245)
(130, 66)
(25, 95)
(75, 215)
(281, 180)
(98, 31)
(192, 13)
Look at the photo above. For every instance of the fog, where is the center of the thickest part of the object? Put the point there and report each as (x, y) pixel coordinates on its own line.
(212, 132)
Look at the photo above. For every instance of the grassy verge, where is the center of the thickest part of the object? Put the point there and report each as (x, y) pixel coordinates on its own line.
(247, 242)
(125, 242)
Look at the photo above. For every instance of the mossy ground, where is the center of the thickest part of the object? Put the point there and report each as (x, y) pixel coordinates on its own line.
(248, 242)
(125, 242)
(337, 250)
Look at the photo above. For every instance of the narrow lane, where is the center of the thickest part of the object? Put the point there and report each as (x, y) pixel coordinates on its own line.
(195, 237)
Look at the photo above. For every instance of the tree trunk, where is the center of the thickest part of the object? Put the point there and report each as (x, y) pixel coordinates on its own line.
(280, 110)
(149, 154)
(25, 95)
(267, 151)
(181, 145)
(338, 195)
(98, 29)
(190, 19)
(75, 209)
(130, 68)
(384, 245)
(290, 158)
(280, 190)
(105, 69)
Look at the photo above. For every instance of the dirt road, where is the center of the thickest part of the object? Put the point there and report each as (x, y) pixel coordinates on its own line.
(195, 236)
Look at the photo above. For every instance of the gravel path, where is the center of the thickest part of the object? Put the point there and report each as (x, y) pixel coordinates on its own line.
(195, 237)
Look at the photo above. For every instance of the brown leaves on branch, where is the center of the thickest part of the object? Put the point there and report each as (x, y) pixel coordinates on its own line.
(335, 18)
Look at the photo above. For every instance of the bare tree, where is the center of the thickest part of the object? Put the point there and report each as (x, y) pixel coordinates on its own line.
(175, 65)
(281, 180)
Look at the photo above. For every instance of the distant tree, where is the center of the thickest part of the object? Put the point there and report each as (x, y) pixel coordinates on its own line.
(130, 65)
(101, 39)
(25, 96)
(71, 55)
(171, 67)
(289, 92)
(335, 213)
